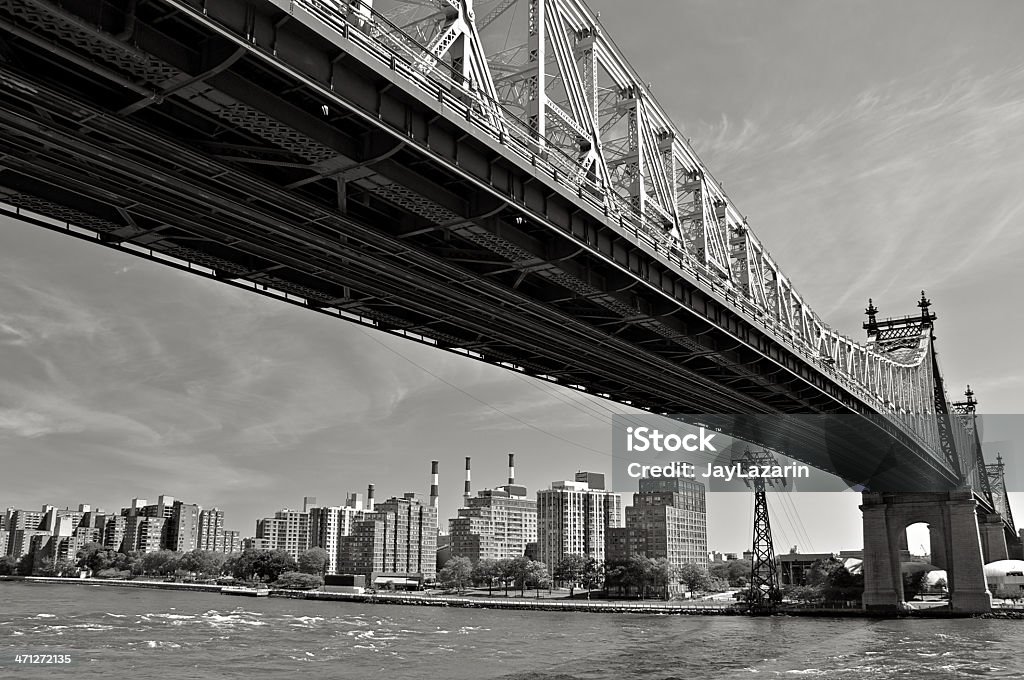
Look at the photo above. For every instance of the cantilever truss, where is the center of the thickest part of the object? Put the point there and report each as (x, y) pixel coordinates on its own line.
(996, 473)
(765, 590)
(569, 101)
(544, 83)
(966, 411)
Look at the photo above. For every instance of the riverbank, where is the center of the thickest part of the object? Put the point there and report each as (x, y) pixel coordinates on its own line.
(526, 603)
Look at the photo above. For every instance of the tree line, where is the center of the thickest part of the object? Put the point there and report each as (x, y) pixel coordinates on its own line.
(639, 575)
(248, 566)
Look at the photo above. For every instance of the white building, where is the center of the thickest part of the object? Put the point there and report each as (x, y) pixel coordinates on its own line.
(572, 518)
(328, 524)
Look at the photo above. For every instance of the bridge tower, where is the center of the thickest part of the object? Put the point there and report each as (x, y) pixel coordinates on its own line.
(952, 516)
(765, 590)
(1001, 528)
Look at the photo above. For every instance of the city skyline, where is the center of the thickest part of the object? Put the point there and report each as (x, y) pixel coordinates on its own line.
(118, 373)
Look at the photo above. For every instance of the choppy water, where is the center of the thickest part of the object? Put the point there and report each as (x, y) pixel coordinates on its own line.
(121, 633)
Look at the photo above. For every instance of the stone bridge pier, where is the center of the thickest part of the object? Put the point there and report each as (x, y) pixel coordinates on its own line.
(993, 537)
(956, 546)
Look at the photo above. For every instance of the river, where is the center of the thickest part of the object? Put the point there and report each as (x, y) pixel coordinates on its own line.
(114, 633)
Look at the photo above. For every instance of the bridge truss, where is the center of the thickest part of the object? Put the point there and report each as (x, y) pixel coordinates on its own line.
(219, 136)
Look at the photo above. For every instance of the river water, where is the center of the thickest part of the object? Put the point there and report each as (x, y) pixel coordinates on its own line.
(114, 633)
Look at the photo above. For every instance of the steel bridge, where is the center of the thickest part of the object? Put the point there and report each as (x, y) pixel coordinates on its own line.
(490, 178)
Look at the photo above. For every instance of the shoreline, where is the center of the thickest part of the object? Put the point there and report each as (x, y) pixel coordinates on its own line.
(526, 604)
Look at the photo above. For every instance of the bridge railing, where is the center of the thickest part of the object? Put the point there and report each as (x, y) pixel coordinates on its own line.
(414, 62)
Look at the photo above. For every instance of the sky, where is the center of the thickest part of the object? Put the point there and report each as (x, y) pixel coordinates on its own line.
(876, 149)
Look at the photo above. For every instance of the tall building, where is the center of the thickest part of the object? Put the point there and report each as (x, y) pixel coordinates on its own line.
(114, 532)
(211, 530)
(182, 527)
(496, 524)
(150, 534)
(287, 530)
(362, 551)
(573, 518)
(397, 538)
(22, 525)
(164, 507)
(410, 547)
(327, 525)
(145, 525)
(668, 519)
(232, 542)
(90, 529)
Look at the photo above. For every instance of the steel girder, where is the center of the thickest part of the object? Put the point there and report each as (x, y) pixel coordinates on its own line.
(763, 315)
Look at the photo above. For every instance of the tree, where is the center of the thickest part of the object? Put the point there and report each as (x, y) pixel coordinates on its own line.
(124, 561)
(314, 561)
(802, 593)
(8, 565)
(694, 577)
(293, 580)
(456, 574)
(242, 566)
(662, 572)
(506, 572)
(159, 563)
(569, 570)
(537, 576)
(519, 571)
(94, 557)
(25, 565)
(65, 568)
(616, 574)
(270, 564)
(734, 572)
(592, 576)
(638, 573)
(486, 571)
(913, 584)
(202, 562)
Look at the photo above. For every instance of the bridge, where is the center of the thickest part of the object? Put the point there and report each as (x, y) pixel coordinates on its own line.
(489, 178)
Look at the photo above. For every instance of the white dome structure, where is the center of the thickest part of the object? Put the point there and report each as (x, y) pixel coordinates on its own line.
(1004, 568)
(1005, 578)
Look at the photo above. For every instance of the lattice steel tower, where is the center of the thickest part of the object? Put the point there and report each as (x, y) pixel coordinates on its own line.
(765, 590)
(997, 482)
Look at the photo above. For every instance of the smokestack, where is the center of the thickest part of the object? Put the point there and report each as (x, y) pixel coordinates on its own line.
(511, 468)
(433, 484)
(466, 492)
(369, 498)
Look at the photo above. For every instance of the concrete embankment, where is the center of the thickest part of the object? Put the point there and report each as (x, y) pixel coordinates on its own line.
(118, 583)
(514, 603)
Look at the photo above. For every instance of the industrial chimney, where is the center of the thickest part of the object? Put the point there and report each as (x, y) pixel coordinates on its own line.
(511, 468)
(433, 484)
(466, 492)
(369, 498)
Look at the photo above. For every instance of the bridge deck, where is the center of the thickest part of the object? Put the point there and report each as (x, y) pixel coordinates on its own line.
(257, 145)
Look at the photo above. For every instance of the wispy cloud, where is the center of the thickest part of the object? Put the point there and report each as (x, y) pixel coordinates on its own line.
(926, 174)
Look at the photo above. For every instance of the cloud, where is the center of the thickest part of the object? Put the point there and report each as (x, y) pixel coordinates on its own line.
(926, 173)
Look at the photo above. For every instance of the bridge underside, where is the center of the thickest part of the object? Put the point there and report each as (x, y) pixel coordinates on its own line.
(250, 146)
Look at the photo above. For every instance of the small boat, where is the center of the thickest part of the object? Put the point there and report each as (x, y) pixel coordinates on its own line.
(246, 591)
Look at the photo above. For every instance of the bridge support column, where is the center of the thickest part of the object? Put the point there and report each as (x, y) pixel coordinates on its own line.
(956, 541)
(1015, 547)
(993, 538)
